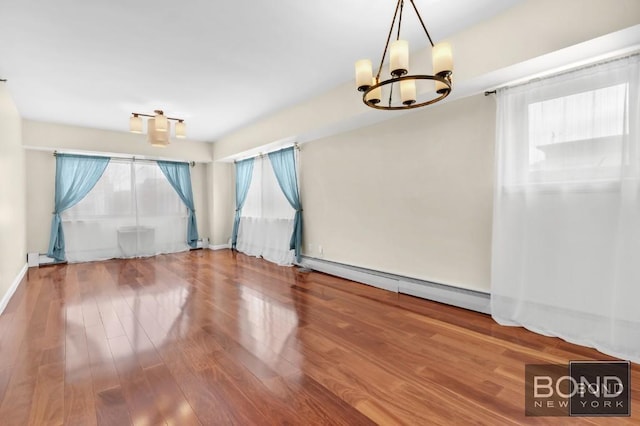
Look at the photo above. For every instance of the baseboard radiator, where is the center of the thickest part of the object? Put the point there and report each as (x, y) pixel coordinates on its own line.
(468, 299)
(40, 259)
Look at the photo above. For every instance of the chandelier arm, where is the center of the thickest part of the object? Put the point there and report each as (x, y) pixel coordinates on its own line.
(422, 22)
(386, 46)
(441, 95)
(152, 116)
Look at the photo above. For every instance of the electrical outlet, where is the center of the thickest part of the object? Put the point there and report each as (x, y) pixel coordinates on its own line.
(320, 250)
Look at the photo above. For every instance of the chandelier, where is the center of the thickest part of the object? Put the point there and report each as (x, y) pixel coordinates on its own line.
(374, 88)
(158, 127)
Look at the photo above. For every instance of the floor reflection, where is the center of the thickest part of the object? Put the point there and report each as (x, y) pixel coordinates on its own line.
(266, 320)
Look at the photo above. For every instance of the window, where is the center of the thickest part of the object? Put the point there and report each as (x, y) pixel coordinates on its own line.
(265, 198)
(132, 211)
(267, 217)
(580, 132)
(577, 129)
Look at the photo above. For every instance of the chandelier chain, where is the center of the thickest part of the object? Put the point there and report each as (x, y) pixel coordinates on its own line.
(386, 45)
(400, 19)
(422, 22)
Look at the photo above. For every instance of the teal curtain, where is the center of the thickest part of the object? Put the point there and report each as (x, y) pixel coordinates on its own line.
(284, 167)
(76, 175)
(244, 172)
(179, 177)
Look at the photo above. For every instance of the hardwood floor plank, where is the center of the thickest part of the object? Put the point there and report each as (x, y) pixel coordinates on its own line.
(47, 406)
(217, 338)
(133, 384)
(111, 407)
(171, 401)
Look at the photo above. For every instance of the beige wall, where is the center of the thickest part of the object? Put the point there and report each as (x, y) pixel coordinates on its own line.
(222, 193)
(13, 226)
(411, 196)
(37, 134)
(41, 172)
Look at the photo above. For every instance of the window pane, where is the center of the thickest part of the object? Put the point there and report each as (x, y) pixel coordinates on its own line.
(110, 197)
(132, 211)
(580, 131)
(155, 195)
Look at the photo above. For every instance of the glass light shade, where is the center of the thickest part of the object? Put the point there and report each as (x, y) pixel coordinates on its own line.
(442, 63)
(399, 62)
(135, 124)
(408, 91)
(181, 130)
(162, 124)
(156, 138)
(442, 58)
(374, 96)
(364, 74)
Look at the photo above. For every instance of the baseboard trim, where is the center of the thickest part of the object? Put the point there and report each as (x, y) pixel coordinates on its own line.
(218, 246)
(468, 299)
(14, 286)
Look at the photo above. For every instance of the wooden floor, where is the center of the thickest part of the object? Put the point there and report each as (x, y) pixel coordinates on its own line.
(218, 338)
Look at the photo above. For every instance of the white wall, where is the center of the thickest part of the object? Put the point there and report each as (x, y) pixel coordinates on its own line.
(412, 195)
(41, 172)
(13, 226)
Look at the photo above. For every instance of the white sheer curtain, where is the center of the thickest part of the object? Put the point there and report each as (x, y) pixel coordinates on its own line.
(566, 229)
(266, 223)
(132, 211)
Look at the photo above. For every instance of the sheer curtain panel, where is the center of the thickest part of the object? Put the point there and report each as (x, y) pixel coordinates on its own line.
(132, 211)
(179, 177)
(566, 228)
(76, 175)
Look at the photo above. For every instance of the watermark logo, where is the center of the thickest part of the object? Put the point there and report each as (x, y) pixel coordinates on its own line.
(581, 389)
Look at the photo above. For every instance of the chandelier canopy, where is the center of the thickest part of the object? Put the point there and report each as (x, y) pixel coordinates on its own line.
(158, 127)
(404, 83)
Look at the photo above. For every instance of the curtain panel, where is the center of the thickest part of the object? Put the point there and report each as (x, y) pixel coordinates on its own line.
(179, 176)
(76, 175)
(566, 226)
(244, 171)
(284, 167)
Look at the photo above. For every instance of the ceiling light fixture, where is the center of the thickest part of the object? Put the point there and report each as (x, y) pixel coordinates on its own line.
(158, 127)
(399, 70)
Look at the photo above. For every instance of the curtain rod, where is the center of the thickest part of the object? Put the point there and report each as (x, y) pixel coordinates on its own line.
(262, 154)
(525, 80)
(133, 158)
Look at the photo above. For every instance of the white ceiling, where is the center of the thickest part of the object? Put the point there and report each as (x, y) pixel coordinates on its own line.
(220, 65)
